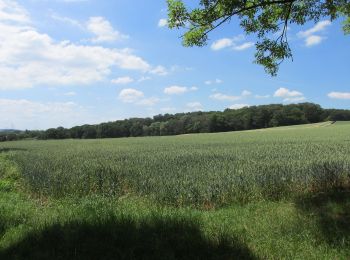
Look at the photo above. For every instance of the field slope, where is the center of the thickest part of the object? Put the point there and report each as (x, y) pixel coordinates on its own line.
(271, 193)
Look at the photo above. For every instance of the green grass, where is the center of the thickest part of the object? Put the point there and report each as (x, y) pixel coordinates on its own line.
(274, 193)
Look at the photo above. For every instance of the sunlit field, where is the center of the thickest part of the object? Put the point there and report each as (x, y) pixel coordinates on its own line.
(277, 193)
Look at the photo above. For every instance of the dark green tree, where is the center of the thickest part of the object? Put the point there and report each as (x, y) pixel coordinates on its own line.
(268, 19)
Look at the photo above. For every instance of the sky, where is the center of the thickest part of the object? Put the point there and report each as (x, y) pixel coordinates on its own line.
(75, 62)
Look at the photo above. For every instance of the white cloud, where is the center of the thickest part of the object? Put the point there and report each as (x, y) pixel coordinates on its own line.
(261, 96)
(194, 88)
(294, 99)
(238, 106)
(339, 95)
(284, 92)
(222, 43)
(159, 70)
(210, 82)
(320, 26)
(70, 94)
(246, 93)
(310, 37)
(24, 114)
(122, 80)
(289, 95)
(168, 109)
(224, 97)
(144, 78)
(130, 95)
(33, 58)
(313, 40)
(67, 20)
(133, 96)
(243, 46)
(162, 22)
(148, 101)
(234, 43)
(103, 30)
(175, 90)
(194, 106)
(10, 11)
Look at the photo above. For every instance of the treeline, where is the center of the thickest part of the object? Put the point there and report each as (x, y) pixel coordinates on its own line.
(253, 117)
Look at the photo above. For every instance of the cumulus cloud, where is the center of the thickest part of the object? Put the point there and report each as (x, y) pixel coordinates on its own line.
(144, 78)
(22, 113)
(34, 58)
(10, 11)
(221, 44)
(162, 22)
(194, 106)
(261, 96)
(103, 30)
(294, 99)
(133, 96)
(320, 26)
(289, 95)
(284, 92)
(243, 46)
(313, 40)
(159, 70)
(168, 109)
(175, 90)
(339, 95)
(246, 93)
(148, 101)
(122, 80)
(224, 97)
(130, 95)
(67, 20)
(310, 36)
(210, 82)
(235, 43)
(238, 106)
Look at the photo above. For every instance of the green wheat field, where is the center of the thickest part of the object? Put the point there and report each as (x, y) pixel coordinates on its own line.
(273, 193)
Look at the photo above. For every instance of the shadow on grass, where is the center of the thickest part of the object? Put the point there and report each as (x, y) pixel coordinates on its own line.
(332, 212)
(2, 229)
(126, 239)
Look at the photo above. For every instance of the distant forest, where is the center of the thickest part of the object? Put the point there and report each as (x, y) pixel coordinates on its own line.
(253, 117)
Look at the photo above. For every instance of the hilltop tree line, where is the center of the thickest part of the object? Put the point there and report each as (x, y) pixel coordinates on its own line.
(254, 117)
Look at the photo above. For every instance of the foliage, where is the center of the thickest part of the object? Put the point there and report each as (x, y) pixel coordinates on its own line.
(266, 19)
(254, 117)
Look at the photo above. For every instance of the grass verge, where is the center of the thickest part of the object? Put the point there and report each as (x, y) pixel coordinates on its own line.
(97, 227)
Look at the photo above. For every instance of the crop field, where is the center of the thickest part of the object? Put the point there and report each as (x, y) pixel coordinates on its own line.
(207, 170)
(281, 192)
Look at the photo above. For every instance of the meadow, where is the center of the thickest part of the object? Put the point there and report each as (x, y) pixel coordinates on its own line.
(272, 193)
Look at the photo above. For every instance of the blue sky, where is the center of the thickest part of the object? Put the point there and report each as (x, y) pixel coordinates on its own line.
(71, 62)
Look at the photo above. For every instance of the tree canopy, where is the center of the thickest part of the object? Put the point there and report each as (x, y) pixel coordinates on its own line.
(268, 19)
(246, 118)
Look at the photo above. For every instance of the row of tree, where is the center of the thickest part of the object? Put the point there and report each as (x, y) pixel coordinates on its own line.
(246, 118)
